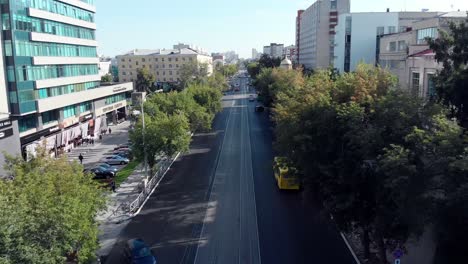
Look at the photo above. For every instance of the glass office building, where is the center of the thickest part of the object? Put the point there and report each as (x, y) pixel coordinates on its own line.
(52, 67)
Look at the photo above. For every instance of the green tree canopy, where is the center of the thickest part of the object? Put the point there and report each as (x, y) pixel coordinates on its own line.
(192, 72)
(145, 80)
(451, 81)
(107, 78)
(164, 134)
(48, 212)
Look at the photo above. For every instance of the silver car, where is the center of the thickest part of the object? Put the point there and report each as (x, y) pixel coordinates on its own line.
(115, 160)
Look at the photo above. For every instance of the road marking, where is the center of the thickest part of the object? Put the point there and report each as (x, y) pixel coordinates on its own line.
(214, 179)
(350, 248)
(253, 188)
(156, 186)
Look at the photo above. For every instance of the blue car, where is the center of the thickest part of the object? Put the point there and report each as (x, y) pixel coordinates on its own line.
(138, 252)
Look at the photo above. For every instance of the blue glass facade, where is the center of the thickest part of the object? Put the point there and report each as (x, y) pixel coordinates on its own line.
(21, 73)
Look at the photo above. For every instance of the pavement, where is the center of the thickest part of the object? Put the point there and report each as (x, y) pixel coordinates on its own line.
(219, 203)
(93, 153)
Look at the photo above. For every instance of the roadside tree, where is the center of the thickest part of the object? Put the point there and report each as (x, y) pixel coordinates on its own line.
(48, 211)
(145, 80)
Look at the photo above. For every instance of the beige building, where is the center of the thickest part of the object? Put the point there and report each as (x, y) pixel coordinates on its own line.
(164, 64)
(407, 54)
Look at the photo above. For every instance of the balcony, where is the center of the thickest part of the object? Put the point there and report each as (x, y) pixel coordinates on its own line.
(42, 37)
(64, 60)
(80, 4)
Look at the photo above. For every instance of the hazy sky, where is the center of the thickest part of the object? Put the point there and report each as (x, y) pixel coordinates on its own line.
(219, 25)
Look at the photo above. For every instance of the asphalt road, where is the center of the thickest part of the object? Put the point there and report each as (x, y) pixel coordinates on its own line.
(219, 203)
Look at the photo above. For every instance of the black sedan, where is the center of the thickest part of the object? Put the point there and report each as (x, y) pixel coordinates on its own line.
(100, 173)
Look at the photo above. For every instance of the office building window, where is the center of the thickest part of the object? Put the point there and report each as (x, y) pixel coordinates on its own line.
(333, 4)
(170, 59)
(84, 107)
(27, 122)
(415, 81)
(392, 46)
(426, 33)
(402, 29)
(176, 59)
(49, 117)
(136, 63)
(69, 111)
(391, 30)
(143, 60)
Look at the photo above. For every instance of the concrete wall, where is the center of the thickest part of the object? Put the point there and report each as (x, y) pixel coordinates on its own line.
(395, 61)
(10, 145)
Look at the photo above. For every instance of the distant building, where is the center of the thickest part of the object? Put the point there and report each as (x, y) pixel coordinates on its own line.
(358, 35)
(164, 64)
(407, 54)
(274, 50)
(317, 32)
(231, 57)
(255, 54)
(218, 59)
(291, 53)
(104, 66)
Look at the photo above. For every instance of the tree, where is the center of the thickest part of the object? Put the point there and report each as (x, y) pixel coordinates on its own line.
(253, 69)
(452, 52)
(207, 97)
(145, 80)
(228, 70)
(49, 208)
(192, 72)
(107, 78)
(164, 134)
(266, 61)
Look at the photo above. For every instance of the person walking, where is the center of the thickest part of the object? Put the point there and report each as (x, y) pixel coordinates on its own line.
(112, 185)
(110, 131)
(80, 157)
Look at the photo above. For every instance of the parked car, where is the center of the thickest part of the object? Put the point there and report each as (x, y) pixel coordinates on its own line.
(115, 160)
(251, 98)
(259, 108)
(100, 173)
(107, 167)
(122, 146)
(138, 252)
(124, 155)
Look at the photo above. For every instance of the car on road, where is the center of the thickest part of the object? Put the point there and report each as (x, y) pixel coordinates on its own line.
(100, 173)
(107, 167)
(259, 108)
(251, 98)
(125, 155)
(115, 160)
(236, 90)
(138, 252)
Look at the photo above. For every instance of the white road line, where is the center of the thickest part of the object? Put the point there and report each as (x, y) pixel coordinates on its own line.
(214, 179)
(253, 189)
(156, 186)
(350, 248)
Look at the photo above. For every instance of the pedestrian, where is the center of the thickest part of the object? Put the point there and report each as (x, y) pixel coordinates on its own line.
(80, 157)
(112, 185)
(110, 131)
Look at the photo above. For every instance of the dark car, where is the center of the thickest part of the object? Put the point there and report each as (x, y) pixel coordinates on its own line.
(107, 167)
(259, 108)
(100, 173)
(137, 252)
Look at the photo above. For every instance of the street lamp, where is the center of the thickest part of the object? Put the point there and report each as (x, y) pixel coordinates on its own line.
(143, 134)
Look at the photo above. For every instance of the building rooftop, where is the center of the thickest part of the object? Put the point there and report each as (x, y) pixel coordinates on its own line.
(144, 52)
(454, 14)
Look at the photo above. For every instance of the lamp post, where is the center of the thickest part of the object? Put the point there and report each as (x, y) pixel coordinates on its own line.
(143, 134)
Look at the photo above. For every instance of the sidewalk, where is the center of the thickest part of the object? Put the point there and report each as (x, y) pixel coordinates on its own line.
(113, 219)
(93, 153)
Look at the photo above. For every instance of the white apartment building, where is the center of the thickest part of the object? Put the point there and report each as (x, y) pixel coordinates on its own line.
(358, 35)
(316, 31)
(164, 64)
(407, 55)
(274, 50)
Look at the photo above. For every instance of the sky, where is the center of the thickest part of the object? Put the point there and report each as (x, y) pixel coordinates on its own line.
(220, 25)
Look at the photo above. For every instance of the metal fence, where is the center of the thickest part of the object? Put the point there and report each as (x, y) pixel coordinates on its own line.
(163, 166)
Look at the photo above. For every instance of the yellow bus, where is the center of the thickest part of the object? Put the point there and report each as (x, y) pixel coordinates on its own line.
(286, 176)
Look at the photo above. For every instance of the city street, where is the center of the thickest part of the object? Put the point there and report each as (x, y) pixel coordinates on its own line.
(219, 203)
